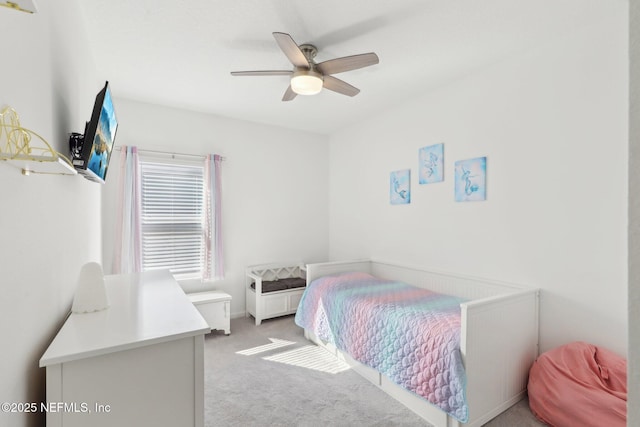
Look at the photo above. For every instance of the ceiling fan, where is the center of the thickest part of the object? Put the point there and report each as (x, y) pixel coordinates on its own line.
(307, 77)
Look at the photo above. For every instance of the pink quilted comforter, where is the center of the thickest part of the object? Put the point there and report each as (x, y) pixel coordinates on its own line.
(409, 334)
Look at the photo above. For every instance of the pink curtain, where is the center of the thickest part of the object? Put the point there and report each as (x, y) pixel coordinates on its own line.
(214, 260)
(127, 256)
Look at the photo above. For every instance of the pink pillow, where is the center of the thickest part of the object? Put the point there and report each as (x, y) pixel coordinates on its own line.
(579, 384)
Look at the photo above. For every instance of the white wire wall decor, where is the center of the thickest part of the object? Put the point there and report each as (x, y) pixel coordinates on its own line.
(27, 150)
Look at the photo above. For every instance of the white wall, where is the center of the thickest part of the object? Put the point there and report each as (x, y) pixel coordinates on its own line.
(274, 186)
(633, 403)
(553, 124)
(48, 223)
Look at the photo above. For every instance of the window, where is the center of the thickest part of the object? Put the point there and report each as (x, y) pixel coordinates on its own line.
(173, 217)
(169, 214)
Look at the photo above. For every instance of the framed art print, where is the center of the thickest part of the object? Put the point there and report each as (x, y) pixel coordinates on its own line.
(400, 187)
(431, 164)
(470, 179)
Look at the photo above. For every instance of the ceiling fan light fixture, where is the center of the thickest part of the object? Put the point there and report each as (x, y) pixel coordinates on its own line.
(309, 77)
(306, 82)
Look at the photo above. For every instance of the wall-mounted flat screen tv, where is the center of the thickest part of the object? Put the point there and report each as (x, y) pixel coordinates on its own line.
(91, 152)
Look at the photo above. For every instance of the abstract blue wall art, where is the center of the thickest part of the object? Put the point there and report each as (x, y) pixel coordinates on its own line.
(431, 160)
(470, 182)
(400, 187)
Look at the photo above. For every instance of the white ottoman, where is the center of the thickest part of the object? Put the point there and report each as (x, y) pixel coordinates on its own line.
(215, 307)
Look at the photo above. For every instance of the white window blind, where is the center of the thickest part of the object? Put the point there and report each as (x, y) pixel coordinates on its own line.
(173, 217)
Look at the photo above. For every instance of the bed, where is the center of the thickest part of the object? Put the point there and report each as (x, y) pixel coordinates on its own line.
(490, 345)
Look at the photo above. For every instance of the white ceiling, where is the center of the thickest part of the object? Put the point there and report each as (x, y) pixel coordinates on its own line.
(181, 52)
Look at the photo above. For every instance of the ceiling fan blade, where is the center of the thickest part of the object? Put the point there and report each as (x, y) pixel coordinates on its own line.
(291, 50)
(348, 63)
(289, 94)
(262, 73)
(339, 86)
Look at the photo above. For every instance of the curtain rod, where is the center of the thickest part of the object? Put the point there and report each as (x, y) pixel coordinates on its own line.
(167, 153)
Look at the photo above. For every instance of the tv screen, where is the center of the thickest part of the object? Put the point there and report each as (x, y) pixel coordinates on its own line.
(91, 152)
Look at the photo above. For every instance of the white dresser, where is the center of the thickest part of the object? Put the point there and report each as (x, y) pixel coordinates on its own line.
(138, 363)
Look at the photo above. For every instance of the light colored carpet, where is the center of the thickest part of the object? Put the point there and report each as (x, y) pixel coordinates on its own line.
(270, 375)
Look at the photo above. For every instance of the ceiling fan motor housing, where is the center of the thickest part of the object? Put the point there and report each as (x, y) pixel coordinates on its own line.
(309, 51)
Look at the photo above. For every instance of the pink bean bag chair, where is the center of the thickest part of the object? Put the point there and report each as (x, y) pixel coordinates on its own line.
(580, 385)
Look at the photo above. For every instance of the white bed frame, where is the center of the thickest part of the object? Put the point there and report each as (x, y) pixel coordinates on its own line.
(499, 339)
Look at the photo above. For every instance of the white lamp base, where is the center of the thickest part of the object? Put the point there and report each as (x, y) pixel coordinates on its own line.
(91, 293)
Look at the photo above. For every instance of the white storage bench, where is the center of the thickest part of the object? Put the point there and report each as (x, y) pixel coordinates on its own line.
(215, 307)
(274, 290)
